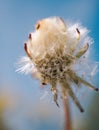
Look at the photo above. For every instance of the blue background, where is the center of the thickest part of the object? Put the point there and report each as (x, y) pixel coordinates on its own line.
(17, 19)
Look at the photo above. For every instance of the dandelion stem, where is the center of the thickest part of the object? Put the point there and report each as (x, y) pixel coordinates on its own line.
(67, 118)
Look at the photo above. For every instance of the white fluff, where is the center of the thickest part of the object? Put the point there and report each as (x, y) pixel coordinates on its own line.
(53, 33)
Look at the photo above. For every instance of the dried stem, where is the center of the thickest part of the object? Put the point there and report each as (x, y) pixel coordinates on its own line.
(67, 118)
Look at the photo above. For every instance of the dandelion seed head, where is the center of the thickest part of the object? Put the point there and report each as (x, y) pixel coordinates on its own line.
(55, 51)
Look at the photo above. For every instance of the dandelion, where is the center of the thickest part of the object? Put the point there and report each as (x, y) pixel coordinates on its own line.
(55, 51)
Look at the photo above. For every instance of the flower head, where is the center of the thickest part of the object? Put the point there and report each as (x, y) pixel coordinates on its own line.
(54, 51)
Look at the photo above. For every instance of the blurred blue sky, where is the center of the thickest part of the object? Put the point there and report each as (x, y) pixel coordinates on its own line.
(17, 19)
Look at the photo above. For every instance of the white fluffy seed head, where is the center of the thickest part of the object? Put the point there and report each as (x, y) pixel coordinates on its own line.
(53, 34)
(58, 53)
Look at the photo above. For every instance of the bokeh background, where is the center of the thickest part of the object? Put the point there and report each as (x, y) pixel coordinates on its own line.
(24, 105)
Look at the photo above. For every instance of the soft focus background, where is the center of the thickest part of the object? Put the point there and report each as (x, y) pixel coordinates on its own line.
(24, 105)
